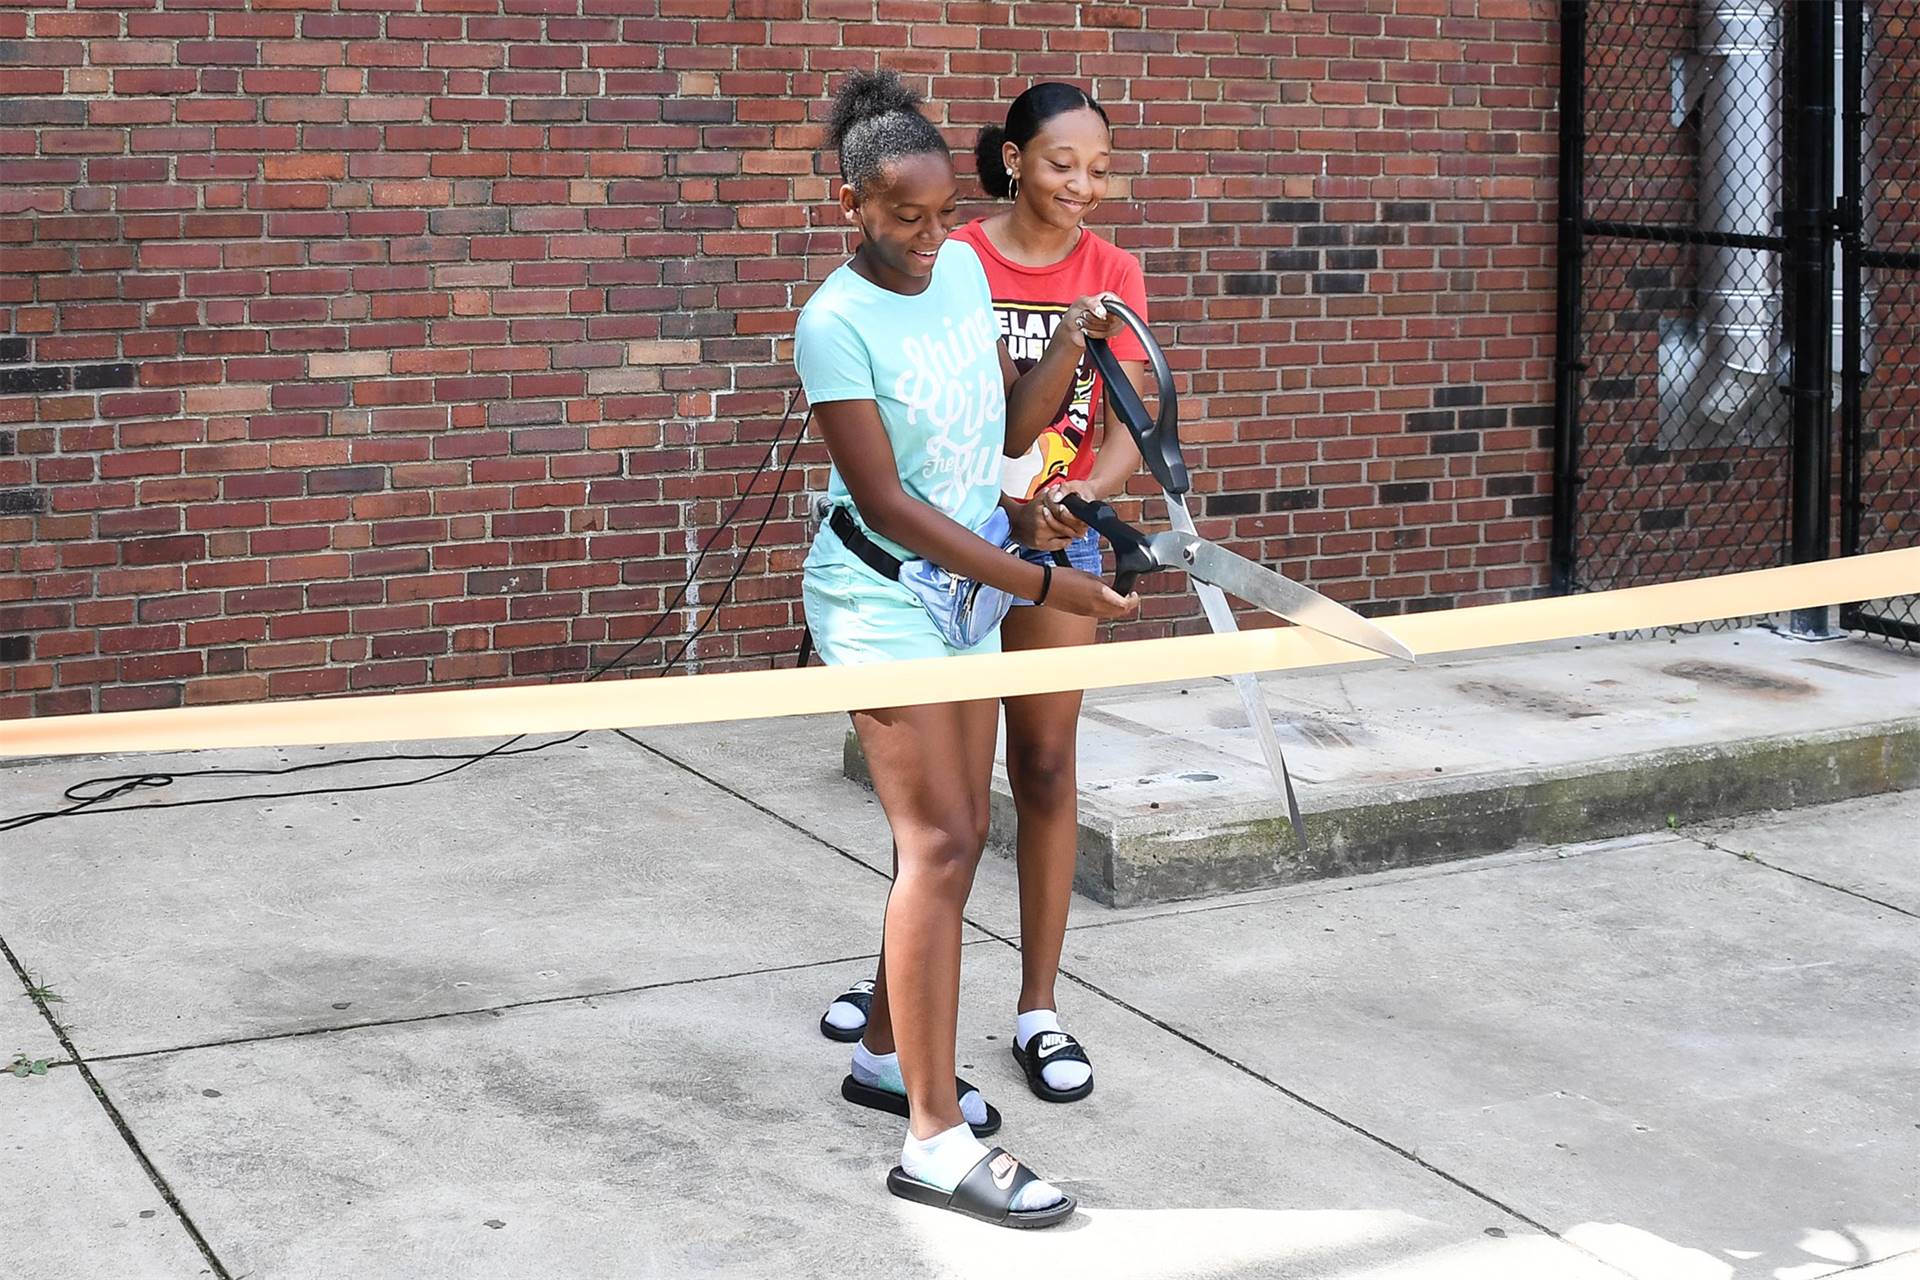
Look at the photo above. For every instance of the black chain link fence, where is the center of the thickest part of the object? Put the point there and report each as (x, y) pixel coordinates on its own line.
(1881, 440)
(1678, 434)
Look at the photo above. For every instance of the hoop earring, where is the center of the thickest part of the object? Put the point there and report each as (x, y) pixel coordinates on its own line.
(1013, 185)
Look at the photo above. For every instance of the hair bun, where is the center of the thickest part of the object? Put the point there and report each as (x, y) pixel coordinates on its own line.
(865, 95)
(992, 166)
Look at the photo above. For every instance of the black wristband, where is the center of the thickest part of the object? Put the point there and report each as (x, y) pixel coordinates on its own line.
(1046, 582)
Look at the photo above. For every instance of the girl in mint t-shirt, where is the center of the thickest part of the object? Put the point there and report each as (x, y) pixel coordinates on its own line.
(1051, 161)
(899, 356)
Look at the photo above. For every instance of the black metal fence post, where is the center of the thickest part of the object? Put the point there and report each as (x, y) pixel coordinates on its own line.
(1567, 364)
(1809, 218)
(1853, 126)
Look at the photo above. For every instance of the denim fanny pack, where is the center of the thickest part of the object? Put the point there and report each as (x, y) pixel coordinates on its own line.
(964, 610)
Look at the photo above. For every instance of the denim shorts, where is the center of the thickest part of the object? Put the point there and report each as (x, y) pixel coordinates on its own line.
(1083, 553)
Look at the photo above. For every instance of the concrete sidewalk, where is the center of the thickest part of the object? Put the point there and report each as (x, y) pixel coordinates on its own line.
(555, 1016)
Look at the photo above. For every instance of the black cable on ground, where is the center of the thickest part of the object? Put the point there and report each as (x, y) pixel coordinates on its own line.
(93, 792)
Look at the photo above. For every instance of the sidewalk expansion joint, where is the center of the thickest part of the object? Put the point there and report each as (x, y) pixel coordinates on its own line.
(492, 1009)
(1412, 1157)
(1186, 1038)
(1758, 861)
(119, 1121)
(1875, 1262)
(757, 807)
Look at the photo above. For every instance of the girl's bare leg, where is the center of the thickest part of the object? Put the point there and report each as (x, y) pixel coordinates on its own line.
(931, 767)
(1042, 742)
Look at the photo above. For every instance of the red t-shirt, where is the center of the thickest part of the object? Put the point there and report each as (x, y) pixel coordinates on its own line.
(1029, 301)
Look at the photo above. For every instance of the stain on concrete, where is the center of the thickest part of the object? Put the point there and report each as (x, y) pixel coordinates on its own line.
(1540, 701)
(1841, 666)
(1328, 733)
(1314, 730)
(1741, 679)
(1230, 715)
(1111, 721)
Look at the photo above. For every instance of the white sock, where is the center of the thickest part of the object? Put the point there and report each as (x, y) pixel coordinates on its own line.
(882, 1071)
(847, 1017)
(877, 1070)
(945, 1158)
(1058, 1075)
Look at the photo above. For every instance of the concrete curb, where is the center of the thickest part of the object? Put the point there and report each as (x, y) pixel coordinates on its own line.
(1125, 863)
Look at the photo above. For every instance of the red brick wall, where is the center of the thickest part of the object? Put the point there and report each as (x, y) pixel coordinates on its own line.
(352, 344)
(1890, 409)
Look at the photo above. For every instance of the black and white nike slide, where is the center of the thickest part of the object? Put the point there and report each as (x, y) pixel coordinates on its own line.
(987, 1193)
(860, 996)
(866, 1095)
(1052, 1046)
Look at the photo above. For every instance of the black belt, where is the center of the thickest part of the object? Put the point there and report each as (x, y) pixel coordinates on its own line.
(877, 557)
(855, 539)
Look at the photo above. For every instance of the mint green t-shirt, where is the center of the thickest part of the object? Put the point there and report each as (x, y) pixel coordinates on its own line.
(931, 362)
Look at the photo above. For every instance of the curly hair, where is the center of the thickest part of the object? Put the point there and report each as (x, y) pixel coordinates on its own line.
(876, 119)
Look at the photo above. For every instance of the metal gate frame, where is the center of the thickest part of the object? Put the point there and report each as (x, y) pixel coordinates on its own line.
(1857, 257)
(1818, 237)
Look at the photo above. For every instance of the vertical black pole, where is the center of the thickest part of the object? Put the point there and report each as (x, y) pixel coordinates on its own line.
(1853, 120)
(1809, 284)
(1567, 364)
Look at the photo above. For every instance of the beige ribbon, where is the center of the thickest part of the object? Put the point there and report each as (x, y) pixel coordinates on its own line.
(756, 695)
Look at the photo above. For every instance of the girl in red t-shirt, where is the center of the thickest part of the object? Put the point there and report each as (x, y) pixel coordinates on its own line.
(1052, 159)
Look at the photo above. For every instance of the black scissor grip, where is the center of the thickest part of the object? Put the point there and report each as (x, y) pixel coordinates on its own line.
(1131, 554)
(1159, 436)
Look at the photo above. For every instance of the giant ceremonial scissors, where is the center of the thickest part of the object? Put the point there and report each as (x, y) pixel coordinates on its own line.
(1213, 570)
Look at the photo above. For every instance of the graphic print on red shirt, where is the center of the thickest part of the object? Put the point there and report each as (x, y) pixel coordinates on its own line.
(1029, 302)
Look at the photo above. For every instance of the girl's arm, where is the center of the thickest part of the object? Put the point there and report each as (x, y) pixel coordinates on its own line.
(1036, 397)
(857, 441)
(1119, 457)
(1046, 526)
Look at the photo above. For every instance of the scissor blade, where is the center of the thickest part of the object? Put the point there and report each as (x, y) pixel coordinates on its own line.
(1220, 618)
(1282, 596)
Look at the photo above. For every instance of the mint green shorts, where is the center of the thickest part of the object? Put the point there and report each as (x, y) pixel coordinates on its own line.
(857, 616)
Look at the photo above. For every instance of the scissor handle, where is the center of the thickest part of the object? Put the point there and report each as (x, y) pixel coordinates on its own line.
(1159, 437)
(1131, 554)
